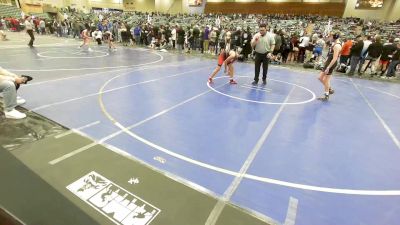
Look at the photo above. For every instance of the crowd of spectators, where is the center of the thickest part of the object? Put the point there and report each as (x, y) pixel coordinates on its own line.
(368, 45)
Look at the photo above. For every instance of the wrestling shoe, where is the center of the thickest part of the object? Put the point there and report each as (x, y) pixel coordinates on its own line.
(232, 82)
(324, 98)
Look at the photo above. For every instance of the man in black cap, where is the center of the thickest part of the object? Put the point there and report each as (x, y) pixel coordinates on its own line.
(330, 64)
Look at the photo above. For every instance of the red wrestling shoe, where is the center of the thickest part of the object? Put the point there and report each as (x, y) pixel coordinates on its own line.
(232, 82)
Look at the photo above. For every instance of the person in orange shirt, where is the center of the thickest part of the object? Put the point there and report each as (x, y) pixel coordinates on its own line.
(345, 54)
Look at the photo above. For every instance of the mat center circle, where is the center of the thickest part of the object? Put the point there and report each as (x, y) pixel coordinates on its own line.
(274, 93)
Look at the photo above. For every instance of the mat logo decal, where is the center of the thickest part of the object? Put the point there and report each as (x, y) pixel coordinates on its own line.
(119, 205)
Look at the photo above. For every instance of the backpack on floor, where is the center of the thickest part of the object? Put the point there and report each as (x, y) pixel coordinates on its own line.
(308, 65)
(342, 68)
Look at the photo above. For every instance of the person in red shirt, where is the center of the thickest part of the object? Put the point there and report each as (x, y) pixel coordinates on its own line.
(14, 24)
(345, 54)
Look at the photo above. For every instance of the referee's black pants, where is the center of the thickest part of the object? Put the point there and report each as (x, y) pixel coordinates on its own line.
(261, 59)
(30, 32)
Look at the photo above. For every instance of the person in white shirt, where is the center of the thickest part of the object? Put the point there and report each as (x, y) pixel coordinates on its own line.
(97, 35)
(8, 82)
(173, 37)
(29, 29)
(304, 42)
(3, 24)
(218, 22)
(367, 43)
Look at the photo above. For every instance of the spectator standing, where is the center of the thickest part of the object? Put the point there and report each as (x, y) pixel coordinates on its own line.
(355, 53)
(395, 60)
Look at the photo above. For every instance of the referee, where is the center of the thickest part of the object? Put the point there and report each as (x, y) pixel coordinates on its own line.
(29, 29)
(264, 45)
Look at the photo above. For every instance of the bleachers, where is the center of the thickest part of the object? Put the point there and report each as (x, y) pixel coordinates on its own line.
(10, 11)
(295, 8)
(41, 15)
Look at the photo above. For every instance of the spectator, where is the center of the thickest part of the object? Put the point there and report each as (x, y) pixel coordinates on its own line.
(367, 42)
(345, 54)
(374, 51)
(246, 43)
(136, 33)
(355, 53)
(395, 60)
(196, 37)
(190, 39)
(180, 38)
(213, 39)
(173, 36)
(206, 39)
(294, 49)
(278, 42)
(387, 51)
(8, 83)
(3, 23)
(304, 42)
(42, 26)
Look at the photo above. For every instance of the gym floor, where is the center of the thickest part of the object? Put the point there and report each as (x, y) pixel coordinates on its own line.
(137, 136)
